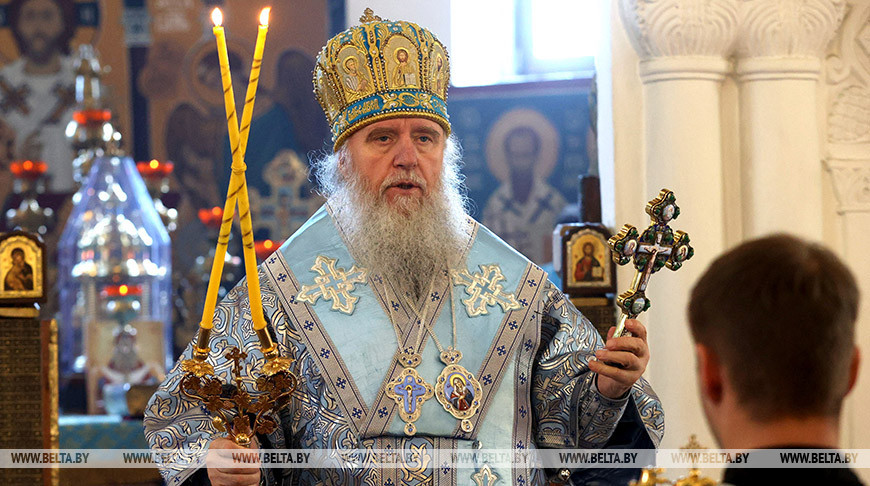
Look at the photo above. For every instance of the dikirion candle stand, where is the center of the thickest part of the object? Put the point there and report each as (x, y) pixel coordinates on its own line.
(277, 382)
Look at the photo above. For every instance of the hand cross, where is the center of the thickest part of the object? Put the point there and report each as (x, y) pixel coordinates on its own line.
(657, 247)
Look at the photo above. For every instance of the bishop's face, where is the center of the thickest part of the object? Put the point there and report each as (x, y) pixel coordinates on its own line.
(397, 159)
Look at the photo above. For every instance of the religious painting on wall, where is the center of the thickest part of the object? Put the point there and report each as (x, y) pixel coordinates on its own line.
(22, 273)
(524, 147)
(38, 41)
(181, 80)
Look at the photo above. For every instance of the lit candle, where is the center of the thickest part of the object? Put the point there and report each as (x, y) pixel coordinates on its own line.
(237, 191)
(238, 173)
(251, 94)
(226, 80)
(244, 206)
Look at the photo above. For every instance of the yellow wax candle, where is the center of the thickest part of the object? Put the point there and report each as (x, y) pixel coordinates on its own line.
(227, 81)
(229, 207)
(251, 93)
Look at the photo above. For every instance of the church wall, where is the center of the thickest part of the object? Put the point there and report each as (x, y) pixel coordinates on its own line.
(837, 160)
(846, 153)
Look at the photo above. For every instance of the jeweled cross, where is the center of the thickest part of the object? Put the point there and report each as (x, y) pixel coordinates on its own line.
(409, 390)
(335, 284)
(484, 290)
(659, 246)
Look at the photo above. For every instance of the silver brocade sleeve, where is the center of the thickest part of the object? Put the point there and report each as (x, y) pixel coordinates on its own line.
(182, 428)
(569, 409)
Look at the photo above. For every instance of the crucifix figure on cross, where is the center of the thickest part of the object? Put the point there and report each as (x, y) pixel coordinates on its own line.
(659, 246)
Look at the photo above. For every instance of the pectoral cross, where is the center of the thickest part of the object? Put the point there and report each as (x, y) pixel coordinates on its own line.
(410, 390)
(659, 246)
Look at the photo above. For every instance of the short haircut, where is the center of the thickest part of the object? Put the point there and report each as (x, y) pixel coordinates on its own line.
(780, 313)
(67, 11)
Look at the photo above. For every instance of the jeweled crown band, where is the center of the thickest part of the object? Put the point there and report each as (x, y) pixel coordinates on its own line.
(388, 105)
(380, 70)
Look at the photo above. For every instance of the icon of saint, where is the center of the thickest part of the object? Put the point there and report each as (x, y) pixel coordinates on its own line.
(354, 81)
(20, 275)
(588, 268)
(404, 74)
(460, 397)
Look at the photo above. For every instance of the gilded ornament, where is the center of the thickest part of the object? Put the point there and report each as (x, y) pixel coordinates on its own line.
(409, 391)
(380, 70)
(485, 477)
(484, 290)
(333, 284)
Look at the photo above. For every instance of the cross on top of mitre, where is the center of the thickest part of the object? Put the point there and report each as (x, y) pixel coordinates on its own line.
(369, 16)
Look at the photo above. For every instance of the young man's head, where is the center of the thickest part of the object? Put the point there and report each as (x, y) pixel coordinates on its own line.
(774, 324)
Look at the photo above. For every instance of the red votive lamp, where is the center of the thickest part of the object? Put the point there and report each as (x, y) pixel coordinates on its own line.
(265, 248)
(28, 169)
(92, 116)
(211, 218)
(154, 169)
(122, 290)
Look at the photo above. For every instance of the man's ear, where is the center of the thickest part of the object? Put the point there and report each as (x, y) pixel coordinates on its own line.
(853, 368)
(343, 163)
(710, 373)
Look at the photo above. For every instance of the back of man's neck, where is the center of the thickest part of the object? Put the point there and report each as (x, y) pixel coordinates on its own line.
(819, 432)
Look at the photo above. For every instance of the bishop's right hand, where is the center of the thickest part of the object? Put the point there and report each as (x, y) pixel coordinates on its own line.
(220, 475)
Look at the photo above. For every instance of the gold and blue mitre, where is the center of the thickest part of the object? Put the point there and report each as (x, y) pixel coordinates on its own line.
(380, 70)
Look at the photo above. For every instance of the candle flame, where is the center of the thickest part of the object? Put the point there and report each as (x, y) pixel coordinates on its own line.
(217, 17)
(264, 16)
(268, 244)
(153, 164)
(123, 290)
(217, 211)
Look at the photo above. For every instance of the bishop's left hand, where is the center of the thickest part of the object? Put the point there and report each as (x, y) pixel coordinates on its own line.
(631, 353)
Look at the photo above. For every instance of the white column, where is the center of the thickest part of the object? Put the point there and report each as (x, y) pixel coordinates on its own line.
(848, 162)
(780, 48)
(851, 180)
(683, 46)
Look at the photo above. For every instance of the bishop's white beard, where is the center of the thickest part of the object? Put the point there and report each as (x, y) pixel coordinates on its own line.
(410, 241)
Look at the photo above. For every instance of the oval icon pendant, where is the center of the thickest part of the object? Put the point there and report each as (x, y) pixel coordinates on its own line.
(459, 392)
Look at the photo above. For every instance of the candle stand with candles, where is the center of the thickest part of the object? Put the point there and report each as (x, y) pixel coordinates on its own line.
(250, 416)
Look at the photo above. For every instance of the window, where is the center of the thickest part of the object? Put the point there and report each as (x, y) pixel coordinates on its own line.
(502, 41)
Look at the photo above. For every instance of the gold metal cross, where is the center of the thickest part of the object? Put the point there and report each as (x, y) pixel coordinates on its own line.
(335, 284)
(484, 290)
(659, 246)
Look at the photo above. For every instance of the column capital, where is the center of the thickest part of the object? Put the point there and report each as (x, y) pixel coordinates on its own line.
(680, 28)
(851, 184)
(787, 28)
